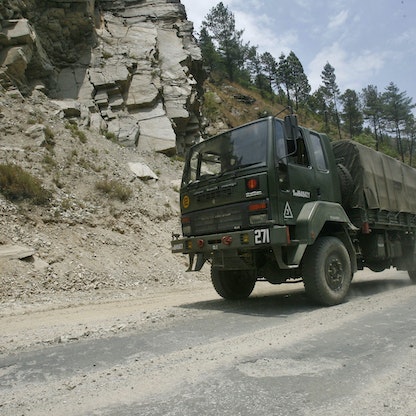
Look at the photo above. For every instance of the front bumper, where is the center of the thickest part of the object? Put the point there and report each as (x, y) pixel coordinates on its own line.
(236, 240)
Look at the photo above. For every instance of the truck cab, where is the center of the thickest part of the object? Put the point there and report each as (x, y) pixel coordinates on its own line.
(254, 198)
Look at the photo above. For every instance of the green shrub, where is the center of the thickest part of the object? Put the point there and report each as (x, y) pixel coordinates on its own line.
(76, 132)
(110, 136)
(16, 185)
(49, 162)
(211, 108)
(114, 189)
(49, 139)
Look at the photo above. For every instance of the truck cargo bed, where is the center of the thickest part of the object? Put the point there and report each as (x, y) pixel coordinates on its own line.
(380, 183)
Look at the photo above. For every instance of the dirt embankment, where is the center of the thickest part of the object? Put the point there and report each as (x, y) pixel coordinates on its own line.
(88, 242)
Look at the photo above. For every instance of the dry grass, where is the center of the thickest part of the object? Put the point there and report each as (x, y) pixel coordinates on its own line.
(17, 185)
(114, 189)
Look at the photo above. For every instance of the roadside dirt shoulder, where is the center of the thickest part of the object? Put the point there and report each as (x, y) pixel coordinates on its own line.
(72, 317)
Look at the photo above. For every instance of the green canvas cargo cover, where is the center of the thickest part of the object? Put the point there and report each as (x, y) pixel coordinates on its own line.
(380, 181)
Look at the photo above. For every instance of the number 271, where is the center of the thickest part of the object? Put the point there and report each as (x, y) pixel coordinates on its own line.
(262, 236)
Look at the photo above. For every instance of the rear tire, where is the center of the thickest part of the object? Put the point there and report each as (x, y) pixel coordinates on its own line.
(233, 284)
(326, 271)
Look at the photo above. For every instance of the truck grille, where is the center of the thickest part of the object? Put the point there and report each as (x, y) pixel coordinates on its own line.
(213, 194)
(217, 220)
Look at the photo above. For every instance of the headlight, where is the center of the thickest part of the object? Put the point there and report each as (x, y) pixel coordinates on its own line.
(258, 219)
(186, 230)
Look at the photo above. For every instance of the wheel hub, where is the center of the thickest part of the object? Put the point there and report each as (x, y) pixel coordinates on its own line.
(335, 274)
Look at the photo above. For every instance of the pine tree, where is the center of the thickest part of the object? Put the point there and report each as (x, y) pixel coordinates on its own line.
(210, 55)
(254, 67)
(293, 80)
(352, 114)
(220, 24)
(284, 76)
(411, 134)
(397, 108)
(269, 66)
(331, 92)
(372, 111)
(300, 85)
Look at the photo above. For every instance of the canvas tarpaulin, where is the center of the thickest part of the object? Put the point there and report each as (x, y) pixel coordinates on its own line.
(380, 182)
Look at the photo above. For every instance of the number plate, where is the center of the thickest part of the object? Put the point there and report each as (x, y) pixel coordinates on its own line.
(262, 236)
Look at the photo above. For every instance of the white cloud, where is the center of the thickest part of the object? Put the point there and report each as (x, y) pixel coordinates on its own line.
(338, 20)
(304, 4)
(352, 70)
(260, 31)
(256, 4)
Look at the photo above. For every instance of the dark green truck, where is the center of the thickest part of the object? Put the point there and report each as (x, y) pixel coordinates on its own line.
(273, 201)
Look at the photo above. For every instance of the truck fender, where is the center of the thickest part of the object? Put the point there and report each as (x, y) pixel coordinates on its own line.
(309, 224)
(313, 217)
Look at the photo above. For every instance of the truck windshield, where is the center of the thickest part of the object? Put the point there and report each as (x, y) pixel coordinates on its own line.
(227, 152)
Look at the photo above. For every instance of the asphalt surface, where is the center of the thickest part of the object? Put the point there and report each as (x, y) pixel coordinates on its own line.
(273, 354)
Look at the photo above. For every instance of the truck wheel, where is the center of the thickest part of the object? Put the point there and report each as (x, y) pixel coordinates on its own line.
(412, 275)
(233, 284)
(327, 271)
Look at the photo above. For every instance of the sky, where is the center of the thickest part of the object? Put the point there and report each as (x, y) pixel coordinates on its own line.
(366, 41)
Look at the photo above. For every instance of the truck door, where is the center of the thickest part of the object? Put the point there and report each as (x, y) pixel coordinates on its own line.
(301, 186)
(323, 179)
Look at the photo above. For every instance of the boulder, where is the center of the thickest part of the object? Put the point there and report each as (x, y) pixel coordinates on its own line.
(70, 81)
(142, 92)
(142, 171)
(116, 73)
(157, 134)
(126, 128)
(37, 133)
(16, 32)
(15, 60)
(15, 252)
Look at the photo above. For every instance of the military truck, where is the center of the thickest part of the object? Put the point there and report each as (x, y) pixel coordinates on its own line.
(273, 201)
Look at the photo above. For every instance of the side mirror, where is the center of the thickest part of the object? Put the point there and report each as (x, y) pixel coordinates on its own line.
(292, 132)
(291, 127)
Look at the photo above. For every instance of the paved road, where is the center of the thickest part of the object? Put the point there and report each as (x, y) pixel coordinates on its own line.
(273, 354)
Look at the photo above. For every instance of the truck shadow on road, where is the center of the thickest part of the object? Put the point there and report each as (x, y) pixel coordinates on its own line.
(267, 305)
(292, 300)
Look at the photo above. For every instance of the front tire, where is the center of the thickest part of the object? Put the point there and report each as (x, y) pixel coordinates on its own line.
(233, 284)
(326, 271)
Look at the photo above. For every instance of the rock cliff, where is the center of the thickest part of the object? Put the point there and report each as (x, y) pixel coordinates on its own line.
(129, 68)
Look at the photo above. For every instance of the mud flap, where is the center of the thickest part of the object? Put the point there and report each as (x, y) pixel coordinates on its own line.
(200, 260)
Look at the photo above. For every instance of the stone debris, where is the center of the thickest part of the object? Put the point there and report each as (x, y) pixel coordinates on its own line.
(142, 171)
(15, 252)
(126, 72)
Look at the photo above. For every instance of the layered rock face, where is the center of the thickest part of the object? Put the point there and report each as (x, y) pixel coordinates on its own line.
(127, 67)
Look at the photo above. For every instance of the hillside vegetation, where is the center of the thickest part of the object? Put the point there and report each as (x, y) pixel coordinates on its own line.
(229, 104)
(381, 119)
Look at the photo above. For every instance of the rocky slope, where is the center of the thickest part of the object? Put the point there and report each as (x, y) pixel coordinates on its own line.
(87, 239)
(127, 67)
(94, 97)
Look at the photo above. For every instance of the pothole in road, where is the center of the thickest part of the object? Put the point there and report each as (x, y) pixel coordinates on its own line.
(274, 367)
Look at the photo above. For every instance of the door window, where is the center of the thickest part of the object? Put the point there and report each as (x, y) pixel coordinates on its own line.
(318, 152)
